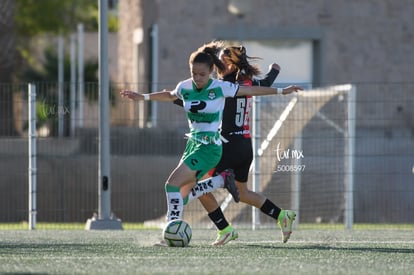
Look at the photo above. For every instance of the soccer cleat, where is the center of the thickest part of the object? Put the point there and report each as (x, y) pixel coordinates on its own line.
(285, 221)
(230, 185)
(226, 235)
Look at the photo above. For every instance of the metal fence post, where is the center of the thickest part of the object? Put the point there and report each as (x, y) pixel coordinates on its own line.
(256, 158)
(349, 187)
(32, 156)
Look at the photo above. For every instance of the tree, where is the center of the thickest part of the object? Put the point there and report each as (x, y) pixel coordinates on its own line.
(20, 20)
(56, 17)
(46, 78)
(7, 53)
(35, 17)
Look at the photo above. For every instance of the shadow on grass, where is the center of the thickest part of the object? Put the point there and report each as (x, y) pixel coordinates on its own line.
(338, 248)
(30, 248)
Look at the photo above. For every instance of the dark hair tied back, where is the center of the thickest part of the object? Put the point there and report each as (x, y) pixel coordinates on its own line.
(238, 57)
(208, 54)
(242, 50)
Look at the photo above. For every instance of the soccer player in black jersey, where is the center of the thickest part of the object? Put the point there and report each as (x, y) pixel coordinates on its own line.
(237, 146)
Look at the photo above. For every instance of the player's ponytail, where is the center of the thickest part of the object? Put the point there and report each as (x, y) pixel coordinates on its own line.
(238, 57)
(208, 54)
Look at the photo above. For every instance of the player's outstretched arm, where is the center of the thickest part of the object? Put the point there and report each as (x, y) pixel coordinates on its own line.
(270, 76)
(158, 96)
(259, 91)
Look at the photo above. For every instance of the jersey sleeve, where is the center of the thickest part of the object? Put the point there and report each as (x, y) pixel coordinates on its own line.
(229, 89)
(268, 80)
(177, 91)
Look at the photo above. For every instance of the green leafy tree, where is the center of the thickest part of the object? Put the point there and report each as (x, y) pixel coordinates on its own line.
(46, 77)
(53, 17)
(48, 72)
(35, 17)
(56, 17)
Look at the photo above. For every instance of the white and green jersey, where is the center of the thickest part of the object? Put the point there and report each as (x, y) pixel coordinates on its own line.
(205, 107)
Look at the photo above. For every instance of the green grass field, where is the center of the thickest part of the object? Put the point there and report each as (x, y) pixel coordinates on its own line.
(309, 251)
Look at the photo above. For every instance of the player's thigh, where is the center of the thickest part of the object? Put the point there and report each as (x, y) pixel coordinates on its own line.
(182, 175)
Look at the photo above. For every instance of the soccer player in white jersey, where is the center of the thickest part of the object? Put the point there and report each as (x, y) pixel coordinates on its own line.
(236, 132)
(203, 99)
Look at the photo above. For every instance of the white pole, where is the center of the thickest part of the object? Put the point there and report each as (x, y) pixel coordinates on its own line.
(154, 88)
(349, 188)
(32, 157)
(138, 38)
(296, 180)
(72, 84)
(104, 161)
(60, 86)
(105, 220)
(81, 95)
(256, 158)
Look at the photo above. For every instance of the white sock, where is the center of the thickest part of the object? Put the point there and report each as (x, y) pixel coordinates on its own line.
(206, 186)
(174, 202)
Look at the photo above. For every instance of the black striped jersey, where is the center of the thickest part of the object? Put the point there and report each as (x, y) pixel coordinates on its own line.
(236, 116)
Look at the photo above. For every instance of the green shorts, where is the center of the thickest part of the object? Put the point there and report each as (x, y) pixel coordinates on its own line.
(201, 157)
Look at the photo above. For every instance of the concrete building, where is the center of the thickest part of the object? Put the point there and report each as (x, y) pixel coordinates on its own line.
(353, 41)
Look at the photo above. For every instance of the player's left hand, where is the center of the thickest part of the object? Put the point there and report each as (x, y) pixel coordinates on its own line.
(290, 89)
(128, 94)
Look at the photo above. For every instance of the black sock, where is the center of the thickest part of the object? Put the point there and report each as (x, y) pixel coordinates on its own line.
(270, 209)
(218, 218)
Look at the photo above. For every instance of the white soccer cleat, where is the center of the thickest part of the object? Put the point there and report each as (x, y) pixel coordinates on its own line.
(226, 235)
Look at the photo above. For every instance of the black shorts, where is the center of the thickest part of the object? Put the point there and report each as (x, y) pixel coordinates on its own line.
(237, 155)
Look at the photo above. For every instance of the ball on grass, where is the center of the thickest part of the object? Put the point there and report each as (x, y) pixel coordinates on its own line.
(177, 233)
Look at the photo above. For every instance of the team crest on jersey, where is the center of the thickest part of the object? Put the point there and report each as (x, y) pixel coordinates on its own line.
(185, 95)
(212, 94)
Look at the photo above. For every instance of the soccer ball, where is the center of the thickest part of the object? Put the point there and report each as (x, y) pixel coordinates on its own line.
(177, 233)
